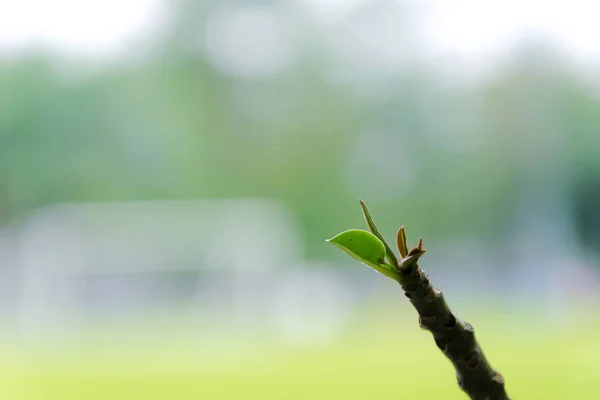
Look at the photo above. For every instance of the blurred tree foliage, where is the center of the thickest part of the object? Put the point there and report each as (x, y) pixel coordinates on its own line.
(448, 159)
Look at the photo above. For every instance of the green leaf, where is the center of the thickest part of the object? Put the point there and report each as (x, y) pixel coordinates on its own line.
(391, 257)
(366, 248)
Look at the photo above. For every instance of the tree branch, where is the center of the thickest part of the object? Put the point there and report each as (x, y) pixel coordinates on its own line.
(455, 338)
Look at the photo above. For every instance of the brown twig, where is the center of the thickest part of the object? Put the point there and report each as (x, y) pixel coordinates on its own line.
(454, 337)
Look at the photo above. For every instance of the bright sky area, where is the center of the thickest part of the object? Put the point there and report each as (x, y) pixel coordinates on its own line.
(461, 27)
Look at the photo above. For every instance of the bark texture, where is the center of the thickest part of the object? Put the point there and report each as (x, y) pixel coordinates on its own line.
(454, 337)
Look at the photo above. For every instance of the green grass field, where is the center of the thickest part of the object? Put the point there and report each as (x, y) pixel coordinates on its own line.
(381, 360)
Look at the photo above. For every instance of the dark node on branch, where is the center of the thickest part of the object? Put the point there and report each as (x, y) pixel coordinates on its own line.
(451, 322)
(407, 295)
(417, 274)
(498, 379)
(431, 295)
(411, 286)
(472, 361)
(427, 322)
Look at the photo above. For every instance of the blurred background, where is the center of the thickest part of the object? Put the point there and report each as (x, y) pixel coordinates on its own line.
(170, 170)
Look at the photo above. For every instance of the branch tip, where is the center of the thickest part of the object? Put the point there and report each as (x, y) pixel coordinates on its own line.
(415, 251)
(454, 337)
